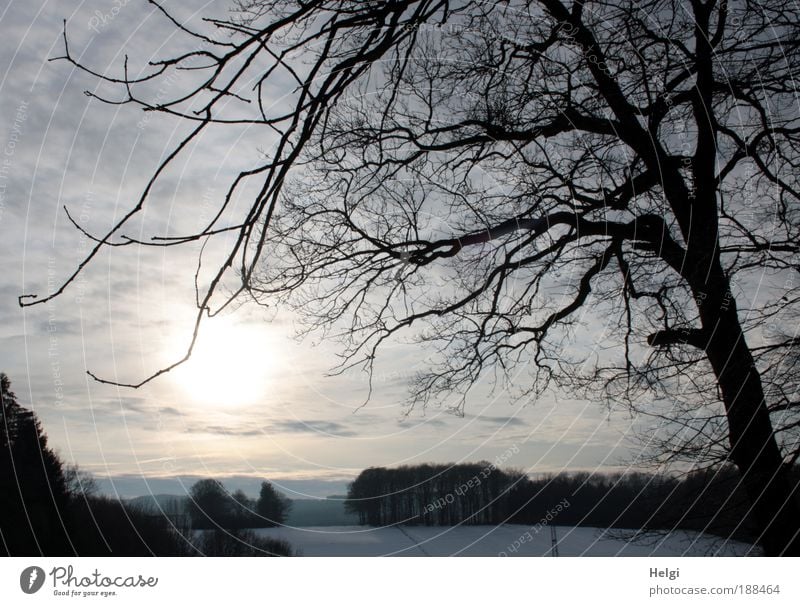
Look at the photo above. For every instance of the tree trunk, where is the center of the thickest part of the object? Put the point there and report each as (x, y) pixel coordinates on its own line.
(754, 450)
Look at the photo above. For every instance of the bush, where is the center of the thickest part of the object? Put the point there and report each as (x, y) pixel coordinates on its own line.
(102, 526)
(239, 543)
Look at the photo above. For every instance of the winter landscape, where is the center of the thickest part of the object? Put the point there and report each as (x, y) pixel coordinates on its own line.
(401, 278)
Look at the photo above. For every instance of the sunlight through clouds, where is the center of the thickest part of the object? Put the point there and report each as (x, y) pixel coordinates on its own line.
(233, 364)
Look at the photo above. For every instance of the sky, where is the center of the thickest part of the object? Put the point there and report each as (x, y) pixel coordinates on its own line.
(254, 402)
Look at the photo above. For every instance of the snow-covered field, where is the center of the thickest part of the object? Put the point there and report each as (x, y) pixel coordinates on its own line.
(508, 540)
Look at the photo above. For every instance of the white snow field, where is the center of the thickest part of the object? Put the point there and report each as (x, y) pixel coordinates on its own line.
(504, 540)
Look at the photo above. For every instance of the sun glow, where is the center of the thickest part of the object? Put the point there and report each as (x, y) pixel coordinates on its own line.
(231, 365)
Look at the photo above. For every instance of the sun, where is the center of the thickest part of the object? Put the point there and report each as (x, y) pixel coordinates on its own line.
(231, 365)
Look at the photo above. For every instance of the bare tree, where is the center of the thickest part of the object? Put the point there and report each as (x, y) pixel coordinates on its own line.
(494, 172)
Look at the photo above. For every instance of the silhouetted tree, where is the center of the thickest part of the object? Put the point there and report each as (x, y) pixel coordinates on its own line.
(240, 543)
(33, 489)
(242, 511)
(101, 526)
(710, 501)
(210, 505)
(495, 170)
(271, 507)
(51, 509)
(443, 494)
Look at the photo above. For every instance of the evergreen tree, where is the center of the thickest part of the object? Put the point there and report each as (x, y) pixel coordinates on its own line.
(33, 488)
(272, 507)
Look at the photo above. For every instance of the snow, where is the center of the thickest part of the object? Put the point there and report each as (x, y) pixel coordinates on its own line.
(504, 540)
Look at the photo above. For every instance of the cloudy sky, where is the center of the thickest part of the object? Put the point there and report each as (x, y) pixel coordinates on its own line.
(253, 402)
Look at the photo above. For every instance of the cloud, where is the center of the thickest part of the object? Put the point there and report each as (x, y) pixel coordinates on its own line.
(129, 313)
(133, 404)
(288, 426)
(313, 426)
(422, 422)
(504, 421)
(466, 418)
(222, 430)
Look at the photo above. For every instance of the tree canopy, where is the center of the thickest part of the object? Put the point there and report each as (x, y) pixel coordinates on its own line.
(212, 507)
(271, 507)
(33, 486)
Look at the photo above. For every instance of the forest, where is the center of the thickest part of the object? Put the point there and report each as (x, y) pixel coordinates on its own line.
(49, 508)
(710, 500)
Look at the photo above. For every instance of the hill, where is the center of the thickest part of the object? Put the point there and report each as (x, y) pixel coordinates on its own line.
(303, 512)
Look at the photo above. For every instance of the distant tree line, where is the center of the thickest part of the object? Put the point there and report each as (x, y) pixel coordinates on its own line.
(429, 494)
(48, 508)
(709, 500)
